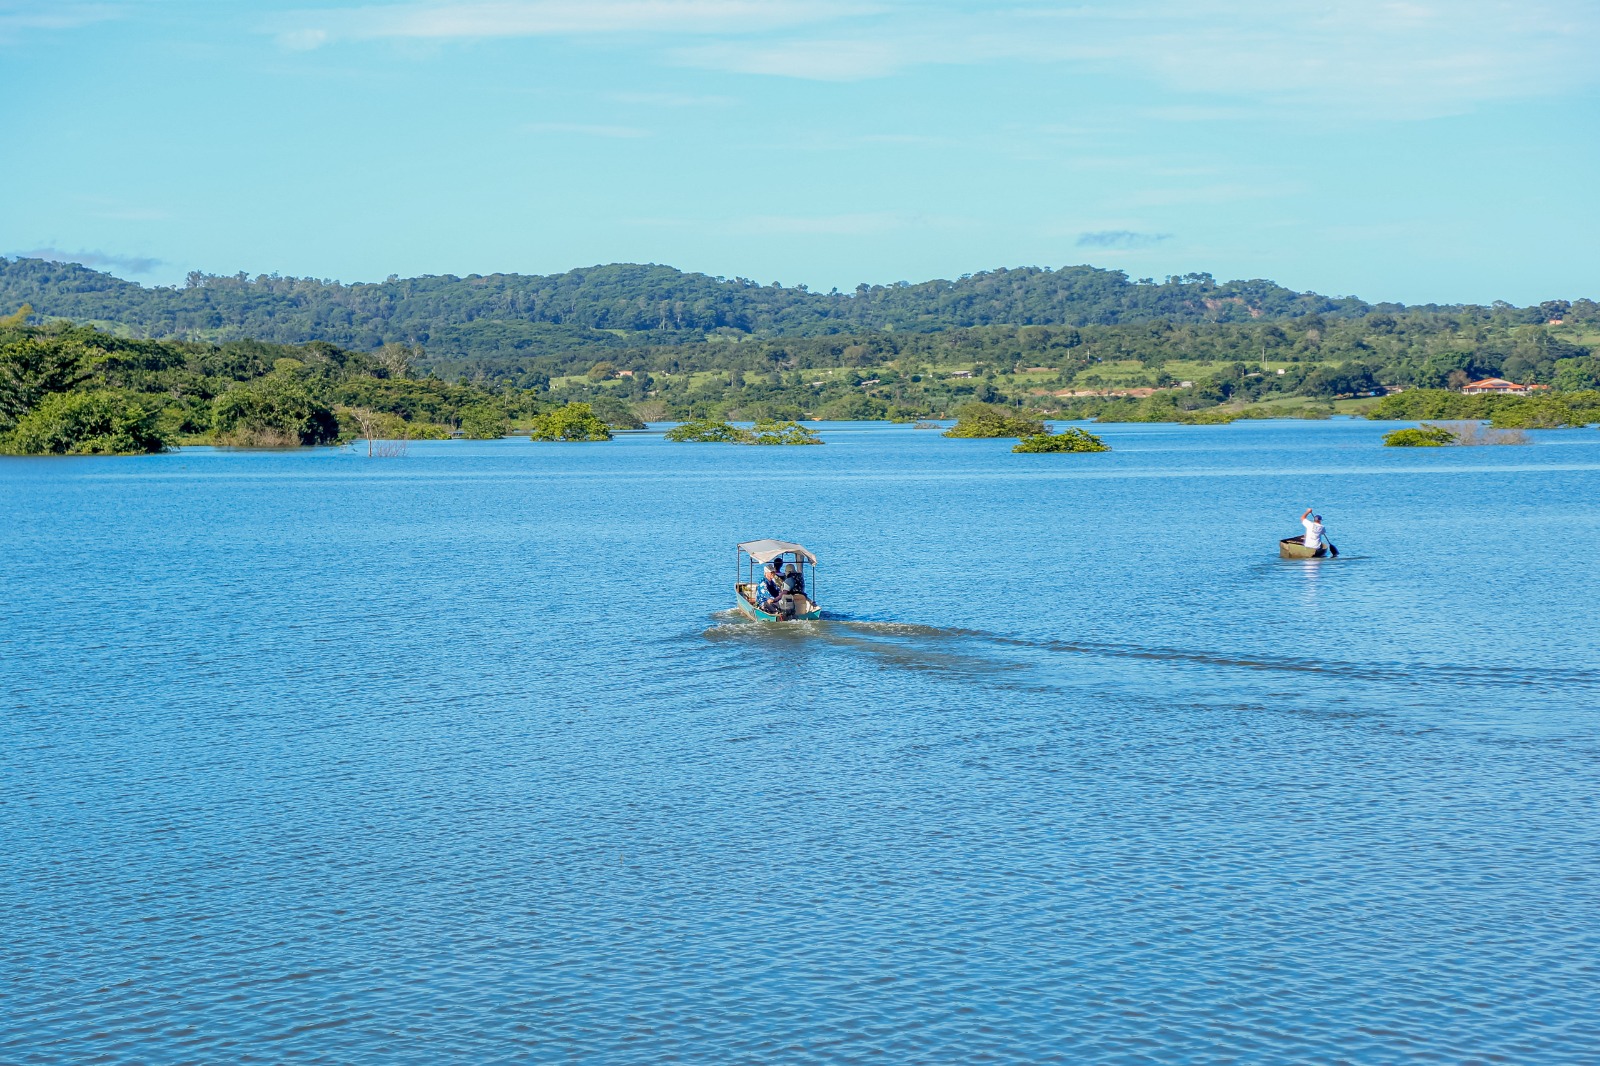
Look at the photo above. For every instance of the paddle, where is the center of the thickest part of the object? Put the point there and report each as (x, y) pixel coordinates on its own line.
(1331, 549)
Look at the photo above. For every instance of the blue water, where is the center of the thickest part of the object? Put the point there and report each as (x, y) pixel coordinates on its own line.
(459, 756)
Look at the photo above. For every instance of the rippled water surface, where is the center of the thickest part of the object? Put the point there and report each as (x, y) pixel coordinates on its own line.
(460, 756)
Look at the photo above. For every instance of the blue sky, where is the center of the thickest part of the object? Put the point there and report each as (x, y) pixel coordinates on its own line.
(1418, 150)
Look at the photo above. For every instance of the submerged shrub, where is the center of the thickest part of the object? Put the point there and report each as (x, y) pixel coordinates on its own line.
(87, 423)
(984, 420)
(711, 431)
(708, 431)
(275, 411)
(574, 422)
(783, 433)
(1069, 440)
(1424, 436)
(484, 422)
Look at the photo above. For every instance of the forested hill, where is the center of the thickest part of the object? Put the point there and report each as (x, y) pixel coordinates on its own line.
(624, 305)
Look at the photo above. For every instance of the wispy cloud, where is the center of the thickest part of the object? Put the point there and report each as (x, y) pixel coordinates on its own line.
(1222, 60)
(437, 20)
(20, 16)
(584, 129)
(132, 264)
(1120, 238)
(836, 59)
(1378, 58)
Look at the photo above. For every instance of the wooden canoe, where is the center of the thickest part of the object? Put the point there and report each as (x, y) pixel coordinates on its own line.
(1295, 548)
(743, 598)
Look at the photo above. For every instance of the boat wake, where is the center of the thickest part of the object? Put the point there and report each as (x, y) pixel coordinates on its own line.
(924, 646)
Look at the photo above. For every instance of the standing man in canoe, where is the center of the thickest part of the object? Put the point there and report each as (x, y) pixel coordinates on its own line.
(1315, 531)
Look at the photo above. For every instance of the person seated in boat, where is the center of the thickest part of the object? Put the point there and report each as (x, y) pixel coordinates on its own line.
(793, 579)
(770, 588)
(1315, 531)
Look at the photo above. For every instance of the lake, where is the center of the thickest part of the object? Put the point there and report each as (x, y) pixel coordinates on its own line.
(461, 755)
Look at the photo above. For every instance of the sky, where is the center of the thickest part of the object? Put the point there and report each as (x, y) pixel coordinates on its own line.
(1412, 150)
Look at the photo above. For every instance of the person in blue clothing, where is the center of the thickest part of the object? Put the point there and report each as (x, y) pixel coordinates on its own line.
(770, 587)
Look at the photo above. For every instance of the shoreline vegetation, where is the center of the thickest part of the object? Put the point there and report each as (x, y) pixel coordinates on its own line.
(69, 388)
(1428, 435)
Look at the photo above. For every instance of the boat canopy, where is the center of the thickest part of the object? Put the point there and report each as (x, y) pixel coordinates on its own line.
(763, 551)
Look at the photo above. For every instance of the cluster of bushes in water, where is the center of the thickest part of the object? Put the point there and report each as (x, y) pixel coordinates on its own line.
(1072, 439)
(712, 431)
(981, 420)
(1428, 435)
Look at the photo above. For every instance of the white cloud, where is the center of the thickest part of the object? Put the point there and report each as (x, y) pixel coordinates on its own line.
(436, 20)
(1220, 60)
(1380, 58)
(822, 60)
(20, 16)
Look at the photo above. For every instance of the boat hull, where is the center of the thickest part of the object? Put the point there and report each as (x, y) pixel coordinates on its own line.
(1295, 548)
(754, 613)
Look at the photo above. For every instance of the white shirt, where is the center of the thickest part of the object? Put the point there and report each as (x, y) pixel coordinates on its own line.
(1313, 532)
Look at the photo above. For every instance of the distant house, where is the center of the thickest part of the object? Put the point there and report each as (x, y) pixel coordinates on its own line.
(624, 373)
(1499, 385)
(962, 374)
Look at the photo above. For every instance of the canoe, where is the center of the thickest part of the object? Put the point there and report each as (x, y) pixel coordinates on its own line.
(742, 598)
(1295, 548)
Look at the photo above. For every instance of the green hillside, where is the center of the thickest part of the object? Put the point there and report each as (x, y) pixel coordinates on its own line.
(623, 305)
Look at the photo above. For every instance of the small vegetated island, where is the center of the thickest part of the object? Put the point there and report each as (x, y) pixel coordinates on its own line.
(1423, 436)
(712, 431)
(1071, 439)
(573, 422)
(981, 420)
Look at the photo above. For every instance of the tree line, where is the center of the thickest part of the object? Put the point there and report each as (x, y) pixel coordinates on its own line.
(70, 389)
(502, 318)
(132, 394)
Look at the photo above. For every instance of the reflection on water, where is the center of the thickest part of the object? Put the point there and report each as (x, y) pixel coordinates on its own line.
(460, 757)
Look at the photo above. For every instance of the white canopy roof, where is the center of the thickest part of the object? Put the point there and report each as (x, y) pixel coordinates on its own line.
(766, 550)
